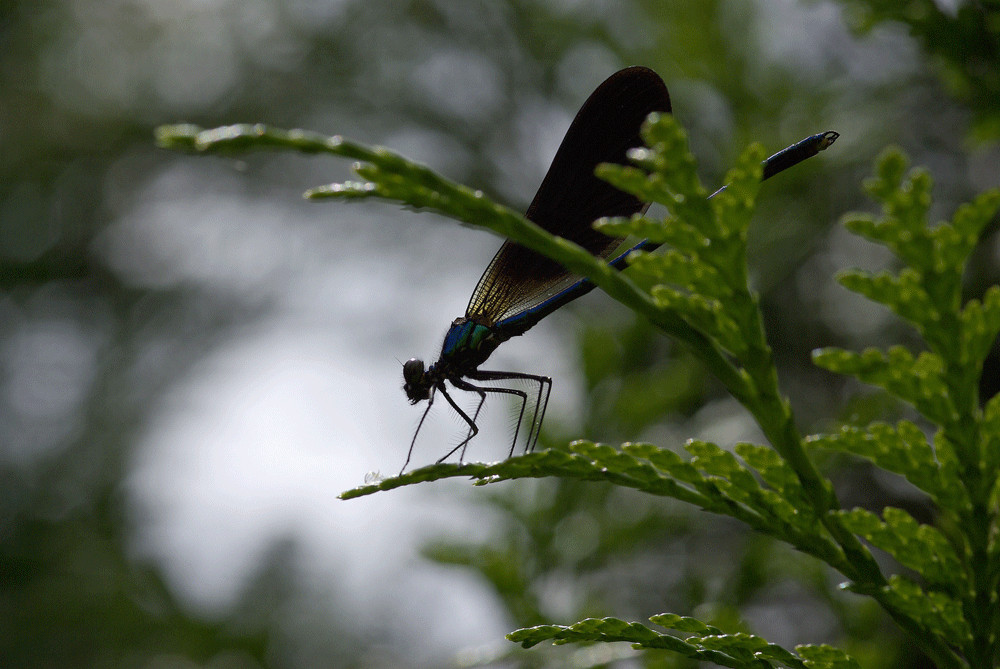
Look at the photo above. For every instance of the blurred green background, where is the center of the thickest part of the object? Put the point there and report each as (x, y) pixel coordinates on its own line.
(194, 361)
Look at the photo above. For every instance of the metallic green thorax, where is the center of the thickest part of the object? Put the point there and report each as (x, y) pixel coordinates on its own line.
(470, 342)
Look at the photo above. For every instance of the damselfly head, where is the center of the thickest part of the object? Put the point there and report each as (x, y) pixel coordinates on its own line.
(414, 383)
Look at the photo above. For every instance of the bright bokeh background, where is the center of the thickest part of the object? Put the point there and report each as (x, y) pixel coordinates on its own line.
(194, 361)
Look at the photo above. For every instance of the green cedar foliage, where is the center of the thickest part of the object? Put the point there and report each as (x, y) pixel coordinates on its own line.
(696, 291)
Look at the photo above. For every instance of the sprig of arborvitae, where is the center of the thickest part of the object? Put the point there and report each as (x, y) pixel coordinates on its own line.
(696, 290)
(954, 452)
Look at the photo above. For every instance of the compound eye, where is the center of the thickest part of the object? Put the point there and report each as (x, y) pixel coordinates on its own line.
(413, 371)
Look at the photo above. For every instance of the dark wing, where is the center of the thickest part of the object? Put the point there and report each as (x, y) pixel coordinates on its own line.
(571, 198)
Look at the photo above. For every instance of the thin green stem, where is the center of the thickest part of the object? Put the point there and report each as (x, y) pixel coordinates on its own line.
(469, 207)
(775, 417)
